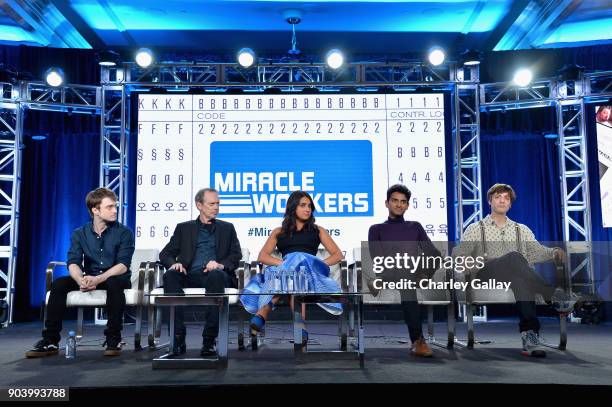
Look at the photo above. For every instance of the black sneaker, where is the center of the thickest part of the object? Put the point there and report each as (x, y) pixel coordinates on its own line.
(208, 348)
(113, 347)
(43, 348)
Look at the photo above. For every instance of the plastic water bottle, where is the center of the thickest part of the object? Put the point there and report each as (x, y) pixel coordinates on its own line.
(277, 281)
(269, 279)
(301, 280)
(290, 281)
(283, 280)
(305, 285)
(297, 283)
(71, 345)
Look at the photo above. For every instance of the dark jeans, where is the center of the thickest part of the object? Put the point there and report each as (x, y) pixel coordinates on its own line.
(115, 305)
(214, 281)
(524, 283)
(412, 314)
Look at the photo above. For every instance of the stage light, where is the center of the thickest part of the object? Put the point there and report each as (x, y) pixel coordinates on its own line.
(471, 57)
(108, 58)
(54, 77)
(523, 77)
(436, 56)
(144, 57)
(334, 58)
(246, 57)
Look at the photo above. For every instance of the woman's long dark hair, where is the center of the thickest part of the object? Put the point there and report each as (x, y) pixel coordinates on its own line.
(289, 221)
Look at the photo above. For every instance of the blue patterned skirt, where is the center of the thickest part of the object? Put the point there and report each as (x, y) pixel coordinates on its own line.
(317, 273)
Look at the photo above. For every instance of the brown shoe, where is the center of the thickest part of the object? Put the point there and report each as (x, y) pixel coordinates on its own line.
(113, 347)
(421, 349)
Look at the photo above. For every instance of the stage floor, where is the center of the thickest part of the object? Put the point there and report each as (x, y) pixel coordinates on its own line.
(588, 359)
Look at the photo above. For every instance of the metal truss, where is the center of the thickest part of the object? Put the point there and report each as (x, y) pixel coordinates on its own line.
(68, 98)
(467, 165)
(114, 136)
(506, 95)
(11, 133)
(284, 74)
(573, 165)
(598, 86)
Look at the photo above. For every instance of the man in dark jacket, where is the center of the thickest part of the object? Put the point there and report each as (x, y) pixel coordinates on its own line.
(202, 253)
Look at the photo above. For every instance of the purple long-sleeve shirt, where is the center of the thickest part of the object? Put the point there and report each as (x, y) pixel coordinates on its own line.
(400, 230)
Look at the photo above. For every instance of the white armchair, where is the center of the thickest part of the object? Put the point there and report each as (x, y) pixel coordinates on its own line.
(134, 296)
(155, 280)
(347, 281)
(471, 298)
(430, 298)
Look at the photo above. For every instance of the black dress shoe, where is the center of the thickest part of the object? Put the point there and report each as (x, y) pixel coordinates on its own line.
(208, 348)
(179, 347)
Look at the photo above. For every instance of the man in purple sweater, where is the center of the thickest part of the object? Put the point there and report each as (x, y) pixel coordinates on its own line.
(397, 229)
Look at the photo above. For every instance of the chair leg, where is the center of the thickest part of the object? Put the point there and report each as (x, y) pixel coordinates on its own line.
(430, 326)
(79, 333)
(158, 322)
(562, 334)
(351, 319)
(563, 331)
(342, 332)
(469, 313)
(151, 325)
(240, 323)
(450, 323)
(138, 328)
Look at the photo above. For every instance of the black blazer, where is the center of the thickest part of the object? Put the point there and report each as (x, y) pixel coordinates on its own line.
(182, 246)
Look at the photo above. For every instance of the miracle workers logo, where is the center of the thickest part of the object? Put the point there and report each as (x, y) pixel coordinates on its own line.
(255, 178)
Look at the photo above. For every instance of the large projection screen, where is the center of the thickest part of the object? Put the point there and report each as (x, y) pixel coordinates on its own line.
(254, 148)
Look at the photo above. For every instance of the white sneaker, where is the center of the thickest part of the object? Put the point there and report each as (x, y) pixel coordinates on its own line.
(531, 344)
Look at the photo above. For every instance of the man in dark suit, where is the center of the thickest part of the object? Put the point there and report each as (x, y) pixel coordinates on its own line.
(202, 253)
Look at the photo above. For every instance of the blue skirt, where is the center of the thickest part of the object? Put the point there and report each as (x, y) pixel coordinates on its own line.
(317, 273)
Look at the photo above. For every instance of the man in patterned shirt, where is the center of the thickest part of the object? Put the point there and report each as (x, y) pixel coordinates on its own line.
(510, 250)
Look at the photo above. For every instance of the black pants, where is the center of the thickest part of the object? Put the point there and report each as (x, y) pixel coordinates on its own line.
(524, 283)
(412, 314)
(214, 281)
(115, 305)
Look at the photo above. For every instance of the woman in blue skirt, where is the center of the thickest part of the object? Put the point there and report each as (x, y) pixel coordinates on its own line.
(297, 240)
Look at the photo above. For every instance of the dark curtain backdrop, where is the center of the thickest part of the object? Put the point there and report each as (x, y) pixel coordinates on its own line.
(514, 151)
(60, 170)
(57, 174)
